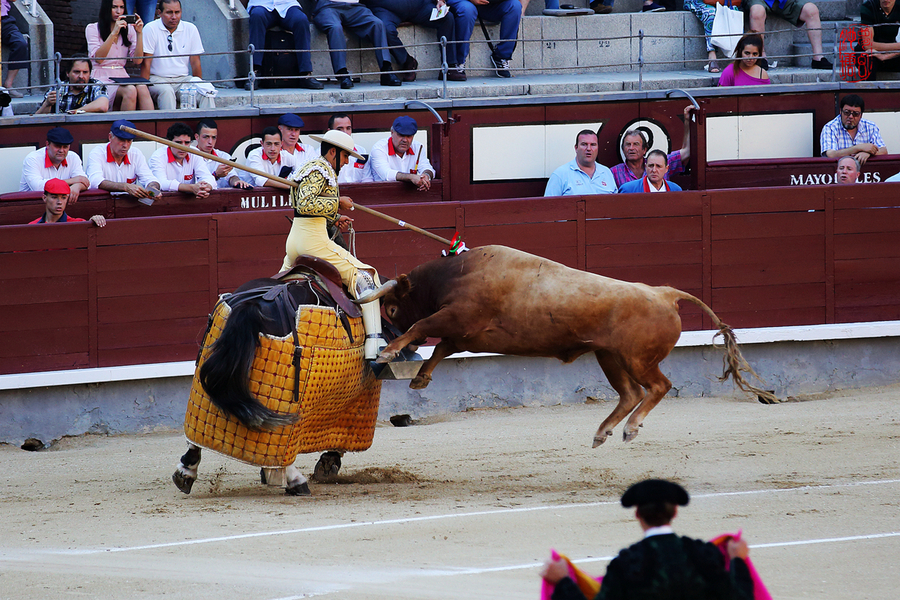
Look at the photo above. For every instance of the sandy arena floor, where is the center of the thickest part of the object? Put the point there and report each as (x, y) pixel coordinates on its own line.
(464, 507)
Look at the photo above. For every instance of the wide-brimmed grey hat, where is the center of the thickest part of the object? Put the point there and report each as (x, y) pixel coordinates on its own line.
(339, 139)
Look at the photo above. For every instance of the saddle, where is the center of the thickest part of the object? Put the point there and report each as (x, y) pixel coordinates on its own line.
(326, 274)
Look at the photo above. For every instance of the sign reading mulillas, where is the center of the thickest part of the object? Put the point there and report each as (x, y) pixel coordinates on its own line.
(266, 201)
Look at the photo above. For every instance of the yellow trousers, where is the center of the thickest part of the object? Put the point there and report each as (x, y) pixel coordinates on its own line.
(309, 235)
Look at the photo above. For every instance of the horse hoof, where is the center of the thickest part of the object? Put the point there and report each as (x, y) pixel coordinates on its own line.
(182, 482)
(298, 490)
(420, 382)
(329, 465)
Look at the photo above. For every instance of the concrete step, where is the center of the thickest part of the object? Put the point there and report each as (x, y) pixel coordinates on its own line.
(831, 31)
(803, 54)
(833, 10)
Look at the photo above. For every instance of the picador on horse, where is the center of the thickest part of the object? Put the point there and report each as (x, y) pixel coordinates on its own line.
(284, 365)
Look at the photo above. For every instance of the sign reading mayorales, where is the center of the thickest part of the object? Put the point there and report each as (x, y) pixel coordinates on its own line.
(829, 178)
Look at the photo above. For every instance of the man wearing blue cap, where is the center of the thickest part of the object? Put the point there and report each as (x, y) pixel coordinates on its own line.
(117, 167)
(663, 566)
(290, 126)
(54, 161)
(400, 158)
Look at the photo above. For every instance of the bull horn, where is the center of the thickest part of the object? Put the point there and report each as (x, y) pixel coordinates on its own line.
(374, 295)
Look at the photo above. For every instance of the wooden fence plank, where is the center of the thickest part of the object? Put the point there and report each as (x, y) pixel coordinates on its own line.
(17, 265)
(39, 290)
(142, 334)
(669, 253)
(646, 230)
(130, 256)
(731, 227)
(46, 340)
(867, 220)
(152, 280)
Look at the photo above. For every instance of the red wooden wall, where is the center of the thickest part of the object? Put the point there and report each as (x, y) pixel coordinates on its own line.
(139, 290)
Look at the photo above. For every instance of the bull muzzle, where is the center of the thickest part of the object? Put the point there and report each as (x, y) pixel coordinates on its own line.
(375, 294)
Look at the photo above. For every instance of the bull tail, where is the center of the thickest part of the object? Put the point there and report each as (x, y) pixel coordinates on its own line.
(225, 376)
(734, 363)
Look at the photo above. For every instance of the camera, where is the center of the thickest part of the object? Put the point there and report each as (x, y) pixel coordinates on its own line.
(131, 19)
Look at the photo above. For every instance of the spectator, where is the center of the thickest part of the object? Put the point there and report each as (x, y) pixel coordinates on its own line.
(117, 167)
(165, 40)
(288, 14)
(290, 126)
(879, 40)
(654, 179)
(399, 157)
(56, 196)
(206, 137)
(80, 94)
(706, 14)
(848, 170)
(600, 7)
(663, 565)
(635, 147)
(54, 161)
(507, 12)
(357, 169)
(583, 176)
(145, 9)
(394, 12)
(747, 67)
(848, 134)
(12, 39)
(270, 158)
(795, 13)
(177, 170)
(111, 41)
(332, 17)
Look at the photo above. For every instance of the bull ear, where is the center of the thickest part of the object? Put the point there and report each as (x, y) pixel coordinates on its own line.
(403, 286)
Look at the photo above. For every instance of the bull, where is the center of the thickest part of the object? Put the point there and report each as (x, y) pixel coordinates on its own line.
(501, 300)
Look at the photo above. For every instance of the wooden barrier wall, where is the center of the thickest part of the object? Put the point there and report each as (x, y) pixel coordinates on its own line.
(139, 290)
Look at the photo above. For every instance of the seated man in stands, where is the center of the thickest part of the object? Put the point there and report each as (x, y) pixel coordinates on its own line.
(635, 147)
(290, 126)
(507, 12)
(357, 169)
(418, 12)
(54, 161)
(117, 167)
(17, 46)
(848, 134)
(879, 40)
(206, 136)
(654, 179)
(167, 36)
(584, 175)
(333, 17)
(797, 13)
(289, 15)
(81, 93)
(178, 171)
(56, 197)
(270, 158)
(399, 158)
(848, 170)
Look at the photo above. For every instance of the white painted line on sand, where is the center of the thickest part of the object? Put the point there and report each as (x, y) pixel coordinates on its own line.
(450, 516)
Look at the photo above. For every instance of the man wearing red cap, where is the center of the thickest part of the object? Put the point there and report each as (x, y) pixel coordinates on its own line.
(56, 196)
(54, 161)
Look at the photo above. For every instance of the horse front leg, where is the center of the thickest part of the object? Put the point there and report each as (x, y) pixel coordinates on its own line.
(186, 473)
(295, 483)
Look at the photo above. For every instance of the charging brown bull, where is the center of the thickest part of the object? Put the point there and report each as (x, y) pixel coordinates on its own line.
(497, 299)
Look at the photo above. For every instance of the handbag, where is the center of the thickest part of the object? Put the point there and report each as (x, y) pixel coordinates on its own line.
(727, 28)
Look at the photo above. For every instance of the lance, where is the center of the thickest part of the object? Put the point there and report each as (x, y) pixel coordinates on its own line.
(287, 182)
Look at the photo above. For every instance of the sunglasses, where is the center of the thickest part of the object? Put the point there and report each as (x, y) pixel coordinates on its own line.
(851, 113)
(169, 38)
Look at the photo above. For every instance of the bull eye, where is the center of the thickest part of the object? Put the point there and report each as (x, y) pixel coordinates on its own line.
(391, 311)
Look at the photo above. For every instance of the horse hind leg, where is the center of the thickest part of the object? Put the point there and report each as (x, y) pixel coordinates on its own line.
(295, 483)
(630, 394)
(186, 472)
(657, 386)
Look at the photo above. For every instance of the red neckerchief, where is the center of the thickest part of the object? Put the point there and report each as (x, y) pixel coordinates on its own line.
(392, 152)
(110, 158)
(647, 184)
(299, 147)
(172, 158)
(48, 164)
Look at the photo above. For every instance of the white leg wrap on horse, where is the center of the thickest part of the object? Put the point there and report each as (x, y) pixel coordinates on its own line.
(190, 472)
(293, 477)
(275, 476)
(371, 314)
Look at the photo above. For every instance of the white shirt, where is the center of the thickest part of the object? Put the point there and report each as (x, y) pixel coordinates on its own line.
(102, 166)
(279, 6)
(653, 188)
(185, 40)
(212, 165)
(354, 171)
(385, 164)
(259, 161)
(303, 154)
(37, 170)
(170, 174)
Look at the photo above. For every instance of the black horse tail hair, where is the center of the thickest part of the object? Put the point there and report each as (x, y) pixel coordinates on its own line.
(225, 376)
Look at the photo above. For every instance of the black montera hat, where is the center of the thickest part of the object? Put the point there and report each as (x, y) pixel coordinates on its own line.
(652, 491)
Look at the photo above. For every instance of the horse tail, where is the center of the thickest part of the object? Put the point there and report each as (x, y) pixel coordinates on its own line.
(225, 376)
(734, 363)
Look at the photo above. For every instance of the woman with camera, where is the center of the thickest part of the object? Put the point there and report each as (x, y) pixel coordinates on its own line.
(114, 39)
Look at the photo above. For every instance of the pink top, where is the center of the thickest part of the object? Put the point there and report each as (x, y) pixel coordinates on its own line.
(733, 75)
(114, 63)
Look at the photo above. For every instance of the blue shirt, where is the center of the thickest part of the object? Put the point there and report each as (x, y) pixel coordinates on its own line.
(835, 137)
(637, 186)
(570, 180)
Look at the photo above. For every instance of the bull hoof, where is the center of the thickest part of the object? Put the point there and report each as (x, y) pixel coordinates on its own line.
(298, 490)
(420, 382)
(629, 434)
(600, 438)
(182, 482)
(386, 356)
